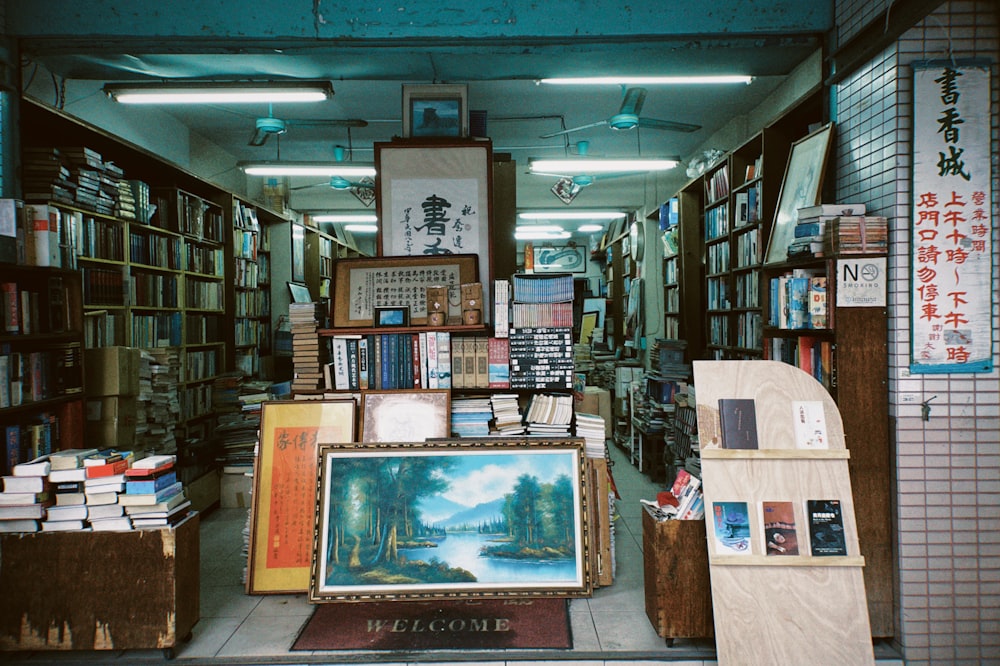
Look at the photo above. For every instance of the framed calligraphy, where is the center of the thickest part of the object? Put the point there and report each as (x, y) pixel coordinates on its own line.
(363, 285)
(951, 279)
(799, 188)
(405, 416)
(434, 198)
(455, 518)
(284, 492)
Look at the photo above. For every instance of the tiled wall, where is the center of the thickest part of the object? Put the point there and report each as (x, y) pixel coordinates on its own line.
(853, 15)
(948, 467)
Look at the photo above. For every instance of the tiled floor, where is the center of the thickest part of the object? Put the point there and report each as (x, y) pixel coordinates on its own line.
(609, 628)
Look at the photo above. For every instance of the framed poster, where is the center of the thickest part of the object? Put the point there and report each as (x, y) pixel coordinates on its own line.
(405, 416)
(569, 258)
(800, 188)
(435, 110)
(435, 198)
(527, 499)
(284, 493)
(363, 285)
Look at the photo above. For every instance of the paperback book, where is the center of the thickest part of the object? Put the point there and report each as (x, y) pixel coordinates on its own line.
(826, 528)
(731, 528)
(780, 537)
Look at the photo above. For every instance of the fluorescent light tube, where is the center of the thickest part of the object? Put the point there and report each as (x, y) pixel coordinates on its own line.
(345, 169)
(650, 80)
(592, 166)
(589, 228)
(228, 92)
(369, 218)
(530, 234)
(361, 228)
(571, 215)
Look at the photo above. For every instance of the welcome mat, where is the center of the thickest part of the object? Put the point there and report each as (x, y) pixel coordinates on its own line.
(435, 625)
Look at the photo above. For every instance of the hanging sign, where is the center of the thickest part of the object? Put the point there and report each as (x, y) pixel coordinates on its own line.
(951, 250)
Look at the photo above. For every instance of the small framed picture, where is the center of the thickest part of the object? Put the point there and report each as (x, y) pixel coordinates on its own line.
(386, 317)
(435, 110)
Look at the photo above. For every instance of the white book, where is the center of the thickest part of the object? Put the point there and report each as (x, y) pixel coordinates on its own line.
(63, 475)
(62, 525)
(38, 467)
(114, 524)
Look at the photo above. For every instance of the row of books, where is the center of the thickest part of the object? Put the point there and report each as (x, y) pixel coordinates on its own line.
(39, 375)
(35, 306)
(837, 229)
(92, 490)
(799, 301)
(683, 500)
(541, 358)
(31, 438)
(732, 535)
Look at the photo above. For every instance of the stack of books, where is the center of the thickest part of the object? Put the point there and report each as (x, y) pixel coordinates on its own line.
(160, 397)
(470, 416)
(46, 177)
(857, 235)
(67, 481)
(307, 374)
(549, 415)
(237, 404)
(153, 496)
(507, 419)
(591, 428)
(25, 496)
(810, 229)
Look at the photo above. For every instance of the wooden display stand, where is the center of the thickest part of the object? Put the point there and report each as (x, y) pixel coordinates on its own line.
(100, 590)
(675, 570)
(787, 609)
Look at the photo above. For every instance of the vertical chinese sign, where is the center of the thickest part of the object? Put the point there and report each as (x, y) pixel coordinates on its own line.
(286, 473)
(951, 279)
(435, 199)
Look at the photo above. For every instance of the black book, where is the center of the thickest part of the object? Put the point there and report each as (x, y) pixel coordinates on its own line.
(739, 423)
(826, 528)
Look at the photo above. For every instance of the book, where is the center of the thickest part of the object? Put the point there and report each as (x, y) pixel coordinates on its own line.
(70, 499)
(150, 498)
(810, 424)
(820, 210)
(482, 363)
(111, 524)
(101, 511)
(498, 365)
(35, 511)
(18, 525)
(152, 462)
(162, 506)
(69, 458)
(817, 302)
(826, 528)
(738, 418)
(152, 485)
(444, 359)
(108, 469)
(73, 512)
(62, 475)
(780, 537)
(24, 484)
(62, 525)
(731, 528)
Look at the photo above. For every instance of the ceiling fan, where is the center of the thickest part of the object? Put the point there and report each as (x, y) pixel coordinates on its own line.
(363, 188)
(628, 117)
(269, 125)
(569, 185)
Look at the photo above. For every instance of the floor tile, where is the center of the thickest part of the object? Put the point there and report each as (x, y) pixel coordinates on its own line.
(208, 637)
(264, 635)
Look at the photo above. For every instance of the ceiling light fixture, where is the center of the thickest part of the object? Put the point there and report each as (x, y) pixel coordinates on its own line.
(592, 166)
(369, 218)
(345, 169)
(571, 215)
(649, 80)
(224, 92)
(532, 234)
(361, 228)
(589, 228)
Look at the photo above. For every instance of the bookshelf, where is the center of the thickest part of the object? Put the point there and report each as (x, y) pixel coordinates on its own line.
(41, 361)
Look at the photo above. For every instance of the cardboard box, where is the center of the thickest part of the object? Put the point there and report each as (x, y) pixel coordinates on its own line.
(597, 401)
(111, 371)
(234, 490)
(111, 422)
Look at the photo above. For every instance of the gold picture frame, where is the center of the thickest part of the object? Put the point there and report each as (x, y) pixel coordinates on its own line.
(284, 491)
(405, 416)
(426, 494)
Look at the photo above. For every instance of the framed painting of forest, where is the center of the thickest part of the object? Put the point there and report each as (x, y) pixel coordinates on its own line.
(451, 518)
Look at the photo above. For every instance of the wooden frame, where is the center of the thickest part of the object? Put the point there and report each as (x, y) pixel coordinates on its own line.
(426, 495)
(435, 197)
(801, 187)
(285, 473)
(355, 296)
(436, 110)
(405, 416)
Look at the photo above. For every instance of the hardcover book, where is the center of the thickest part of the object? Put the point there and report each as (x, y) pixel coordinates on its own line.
(738, 419)
(780, 537)
(731, 528)
(810, 424)
(826, 528)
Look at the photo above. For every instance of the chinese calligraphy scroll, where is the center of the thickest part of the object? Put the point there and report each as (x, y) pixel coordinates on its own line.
(435, 198)
(283, 513)
(951, 248)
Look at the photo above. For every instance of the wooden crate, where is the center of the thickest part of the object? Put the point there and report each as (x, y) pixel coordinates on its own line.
(99, 590)
(675, 569)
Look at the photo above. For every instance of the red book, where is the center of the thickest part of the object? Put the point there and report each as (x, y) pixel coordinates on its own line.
(147, 473)
(107, 469)
(11, 308)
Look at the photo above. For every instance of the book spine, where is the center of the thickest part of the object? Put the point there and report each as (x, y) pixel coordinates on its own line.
(415, 360)
(458, 363)
(444, 359)
(363, 363)
(432, 361)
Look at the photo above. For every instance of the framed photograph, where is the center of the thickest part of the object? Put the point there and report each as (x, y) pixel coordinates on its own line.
(364, 284)
(282, 513)
(298, 253)
(386, 317)
(456, 518)
(405, 416)
(299, 293)
(569, 258)
(801, 187)
(435, 198)
(435, 110)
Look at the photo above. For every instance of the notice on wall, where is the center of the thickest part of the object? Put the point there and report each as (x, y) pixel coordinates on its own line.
(861, 283)
(951, 248)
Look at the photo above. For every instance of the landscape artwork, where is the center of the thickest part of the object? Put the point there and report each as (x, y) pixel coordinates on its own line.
(475, 518)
